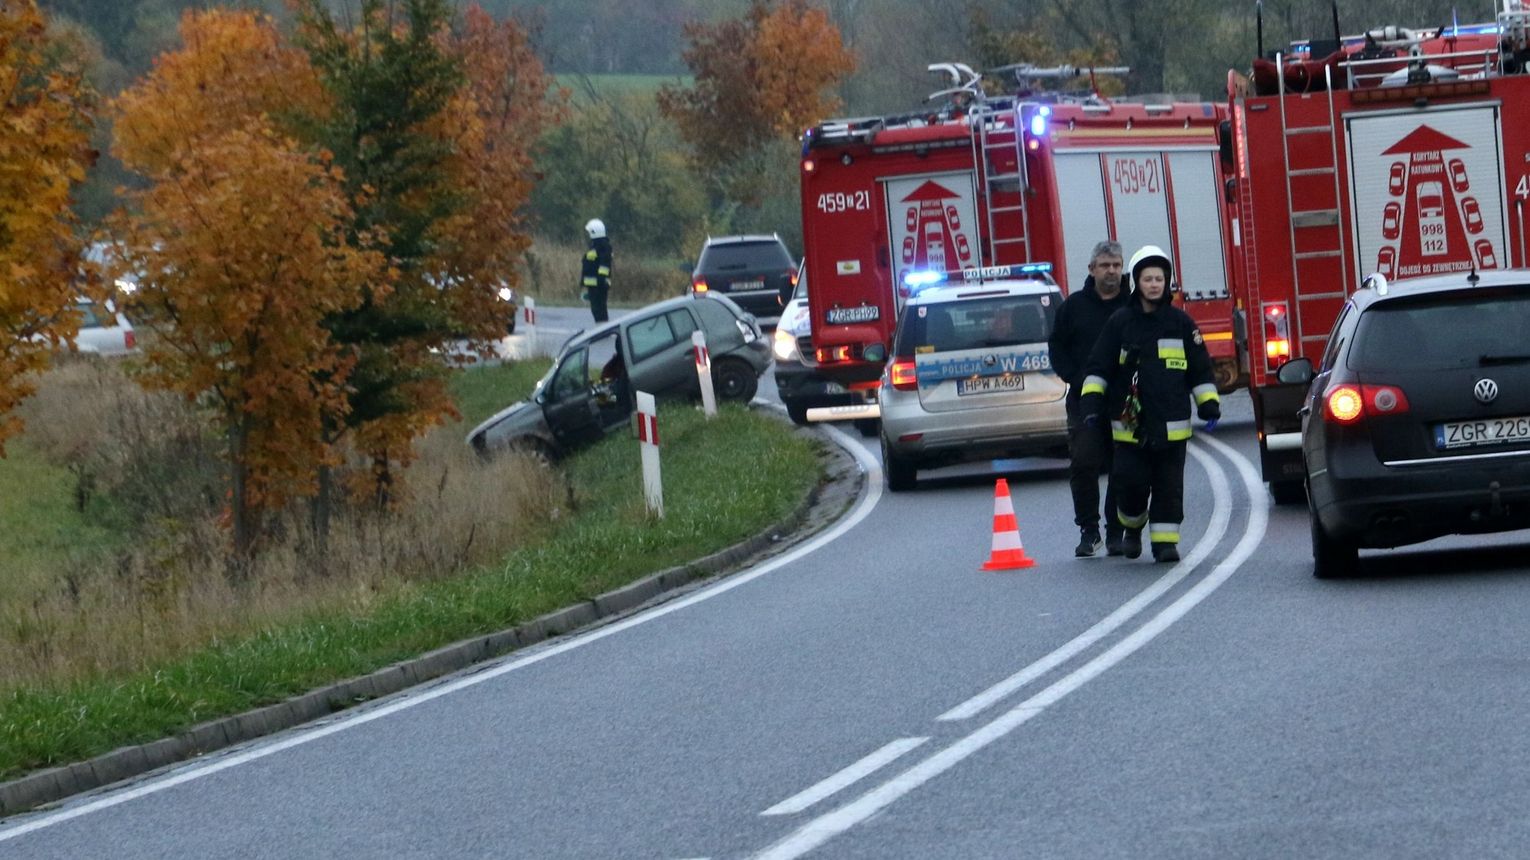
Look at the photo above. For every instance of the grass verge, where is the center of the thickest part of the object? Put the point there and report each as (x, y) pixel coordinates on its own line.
(724, 480)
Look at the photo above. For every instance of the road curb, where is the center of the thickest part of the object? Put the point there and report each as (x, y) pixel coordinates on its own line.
(54, 784)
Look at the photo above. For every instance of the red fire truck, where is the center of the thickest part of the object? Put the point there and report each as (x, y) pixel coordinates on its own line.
(988, 181)
(1400, 152)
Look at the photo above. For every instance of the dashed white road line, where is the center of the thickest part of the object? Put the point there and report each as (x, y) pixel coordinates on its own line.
(862, 509)
(1221, 516)
(820, 830)
(845, 778)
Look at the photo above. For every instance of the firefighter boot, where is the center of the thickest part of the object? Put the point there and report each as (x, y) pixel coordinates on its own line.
(1165, 552)
(1131, 543)
(1088, 542)
(1115, 543)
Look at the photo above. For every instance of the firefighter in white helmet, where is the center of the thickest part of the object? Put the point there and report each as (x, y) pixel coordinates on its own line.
(1148, 365)
(595, 271)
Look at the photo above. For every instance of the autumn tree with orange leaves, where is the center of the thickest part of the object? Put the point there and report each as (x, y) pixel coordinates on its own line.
(44, 150)
(759, 80)
(242, 247)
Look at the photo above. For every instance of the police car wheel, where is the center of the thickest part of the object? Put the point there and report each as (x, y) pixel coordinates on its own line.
(1331, 558)
(900, 473)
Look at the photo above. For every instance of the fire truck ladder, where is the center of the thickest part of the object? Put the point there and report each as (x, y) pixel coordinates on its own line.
(990, 136)
(994, 139)
(1301, 218)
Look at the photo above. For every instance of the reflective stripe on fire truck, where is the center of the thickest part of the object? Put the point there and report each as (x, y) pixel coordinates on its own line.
(1205, 393)
(1092, 385)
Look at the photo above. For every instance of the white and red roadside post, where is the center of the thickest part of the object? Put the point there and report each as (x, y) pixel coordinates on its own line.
(531, 323)
(704, 373)
(648, 443)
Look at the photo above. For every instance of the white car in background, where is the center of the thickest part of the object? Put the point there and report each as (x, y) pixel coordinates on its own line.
(104, 330)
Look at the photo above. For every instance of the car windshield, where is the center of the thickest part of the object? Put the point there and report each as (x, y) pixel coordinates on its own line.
(1447, 331)
(977, 323)
(747, 255)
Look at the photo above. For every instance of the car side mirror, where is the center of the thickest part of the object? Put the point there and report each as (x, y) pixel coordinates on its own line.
(1297, 371)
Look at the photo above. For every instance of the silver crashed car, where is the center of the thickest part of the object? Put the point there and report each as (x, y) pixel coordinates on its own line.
(971, 377)
(588, 391)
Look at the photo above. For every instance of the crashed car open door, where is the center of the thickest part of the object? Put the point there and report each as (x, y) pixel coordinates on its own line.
(569, 403)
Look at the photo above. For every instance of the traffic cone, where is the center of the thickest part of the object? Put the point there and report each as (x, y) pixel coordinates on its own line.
(1008, 553)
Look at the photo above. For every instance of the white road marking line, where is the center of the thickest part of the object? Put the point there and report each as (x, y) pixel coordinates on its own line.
(1221, 516)
(863, 509)
(845, 778)
(820, 830)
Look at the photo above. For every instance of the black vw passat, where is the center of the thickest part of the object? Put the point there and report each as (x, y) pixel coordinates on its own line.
(1417, 423)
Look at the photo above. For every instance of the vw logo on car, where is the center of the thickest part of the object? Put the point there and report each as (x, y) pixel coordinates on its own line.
(1486, 390)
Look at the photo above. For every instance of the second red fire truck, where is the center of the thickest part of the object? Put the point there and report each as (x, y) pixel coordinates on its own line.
(1404, 153)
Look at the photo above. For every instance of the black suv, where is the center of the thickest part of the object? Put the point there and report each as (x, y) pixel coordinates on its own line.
(756, 272)
(1417, 424)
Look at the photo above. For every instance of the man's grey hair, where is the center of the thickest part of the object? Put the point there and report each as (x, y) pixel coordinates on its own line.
(1106, 248)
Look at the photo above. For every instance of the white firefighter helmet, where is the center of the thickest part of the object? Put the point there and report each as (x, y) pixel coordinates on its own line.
(1151, 255)
(595, 227)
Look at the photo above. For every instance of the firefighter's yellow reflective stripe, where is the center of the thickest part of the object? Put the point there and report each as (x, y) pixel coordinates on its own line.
(1119, 432)
(603, 271)
(588, 282)
(1171, 347)
(1163, 533)
(1092, 385)
(1177, 430)
(1176, 364)
(1122, 359)
(1205, 393)
(588, 255)
(1131, 522)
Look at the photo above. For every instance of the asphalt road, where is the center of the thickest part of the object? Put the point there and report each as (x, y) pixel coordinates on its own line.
(872, 694)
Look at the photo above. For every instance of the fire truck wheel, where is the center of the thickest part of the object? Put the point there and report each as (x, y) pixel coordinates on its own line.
(1331, 558)
(1288, 492)
(734, 380)
(798, 414)
(901, 474)
(868, 427)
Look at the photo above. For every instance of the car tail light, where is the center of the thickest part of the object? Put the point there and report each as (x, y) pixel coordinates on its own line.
(129, 339)
(1277, 334)
(903, 375)
(699, 285)
(1346, 404)
(793, 276)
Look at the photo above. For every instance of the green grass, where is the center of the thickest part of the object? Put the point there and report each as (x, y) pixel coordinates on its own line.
(41, 529)
(724, 480)
(483, 390)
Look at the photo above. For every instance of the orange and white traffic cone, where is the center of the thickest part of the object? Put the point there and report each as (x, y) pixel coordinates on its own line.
(1008, 553)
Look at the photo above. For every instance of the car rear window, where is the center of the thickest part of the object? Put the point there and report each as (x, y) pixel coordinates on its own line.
(1459, 330)
(88, 316)
(745, 255)
(976, 323)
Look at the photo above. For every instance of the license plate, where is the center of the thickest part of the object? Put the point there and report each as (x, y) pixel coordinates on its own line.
(863, 313)
(1493, 431)
(747, 285)
(834, 388)
(989, 384)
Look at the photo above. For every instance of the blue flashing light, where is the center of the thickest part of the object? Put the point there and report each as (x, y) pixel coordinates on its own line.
(914, 280)
(1036, 268)
(1039, 125)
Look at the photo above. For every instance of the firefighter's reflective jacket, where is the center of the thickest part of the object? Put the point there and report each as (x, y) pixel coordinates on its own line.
(596, 270)
(1143, 372)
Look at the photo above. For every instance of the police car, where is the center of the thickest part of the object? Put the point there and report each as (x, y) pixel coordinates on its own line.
(971, 377)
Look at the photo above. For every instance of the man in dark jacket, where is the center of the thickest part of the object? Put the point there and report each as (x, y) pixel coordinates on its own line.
(1079, 323)
(1148, 364)
(595, 272)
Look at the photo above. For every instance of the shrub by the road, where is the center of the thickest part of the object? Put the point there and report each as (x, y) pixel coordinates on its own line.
(141, 641)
